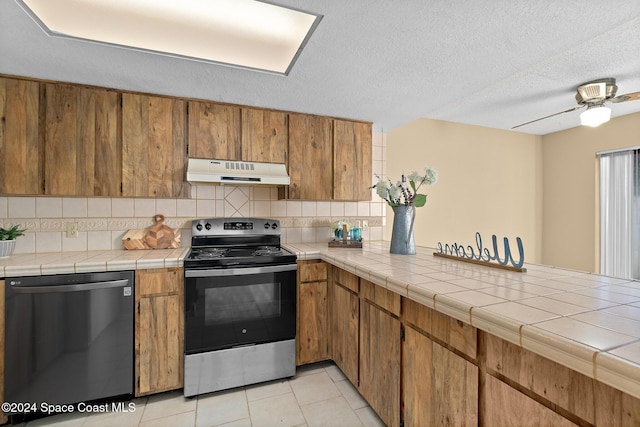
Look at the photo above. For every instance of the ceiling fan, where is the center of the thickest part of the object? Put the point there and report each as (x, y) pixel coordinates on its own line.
(593, 95)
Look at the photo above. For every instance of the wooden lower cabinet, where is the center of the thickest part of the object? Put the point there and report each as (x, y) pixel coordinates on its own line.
(344, 330)
(507, 406)
(159, 333)
(439, 387)
(380, 362)
(312, 331)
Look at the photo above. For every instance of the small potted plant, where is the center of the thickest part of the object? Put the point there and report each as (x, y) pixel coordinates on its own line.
(8, 240)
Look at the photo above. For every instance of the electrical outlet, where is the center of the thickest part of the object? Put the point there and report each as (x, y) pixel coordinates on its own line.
(72, 229)
(365, 224)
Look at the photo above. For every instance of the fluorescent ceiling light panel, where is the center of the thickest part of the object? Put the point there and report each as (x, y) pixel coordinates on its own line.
(245, 33)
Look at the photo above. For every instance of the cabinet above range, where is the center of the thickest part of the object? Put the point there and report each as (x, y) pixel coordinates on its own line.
(75, 140)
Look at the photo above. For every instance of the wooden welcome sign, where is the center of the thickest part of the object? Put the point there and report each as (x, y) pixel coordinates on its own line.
(482, 255)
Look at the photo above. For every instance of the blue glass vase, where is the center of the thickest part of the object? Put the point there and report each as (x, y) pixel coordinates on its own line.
(402, 241)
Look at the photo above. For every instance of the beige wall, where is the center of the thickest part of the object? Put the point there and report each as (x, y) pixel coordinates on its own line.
(490, 181)
(542, 189)
(570, 225)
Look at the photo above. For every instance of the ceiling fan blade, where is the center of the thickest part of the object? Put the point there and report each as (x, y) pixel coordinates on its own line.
(634, 96)
(550, 115)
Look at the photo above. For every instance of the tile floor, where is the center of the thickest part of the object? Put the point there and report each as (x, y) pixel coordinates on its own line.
(319, 395)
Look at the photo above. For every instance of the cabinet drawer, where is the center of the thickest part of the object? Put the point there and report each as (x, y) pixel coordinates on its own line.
(381, 297)
(159, 281)
(346, 279)
(457, 334)
(417, 314)
(312, 271)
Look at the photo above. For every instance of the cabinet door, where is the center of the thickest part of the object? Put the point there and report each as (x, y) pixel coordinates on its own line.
(345, 315)
(351, 160)
(20, 146)
(506, 406)
(214, 131)
(312, 334)
(159, 331)
(82, 156)
(265, 136)
(154, 152)
(439, 387)
(310, 157)
(380, 362)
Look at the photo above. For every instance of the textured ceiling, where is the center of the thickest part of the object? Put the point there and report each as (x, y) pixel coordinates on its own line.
(493, 63)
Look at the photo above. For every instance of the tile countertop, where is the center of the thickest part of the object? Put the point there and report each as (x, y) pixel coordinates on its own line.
(586, 322)
(89, 261)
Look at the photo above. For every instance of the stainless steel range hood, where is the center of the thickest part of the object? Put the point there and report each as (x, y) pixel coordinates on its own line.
(234, 172)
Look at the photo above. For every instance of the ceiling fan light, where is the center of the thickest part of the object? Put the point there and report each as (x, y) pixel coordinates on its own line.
(595, 116)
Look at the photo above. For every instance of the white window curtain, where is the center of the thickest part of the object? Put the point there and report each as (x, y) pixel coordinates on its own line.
(620, 214)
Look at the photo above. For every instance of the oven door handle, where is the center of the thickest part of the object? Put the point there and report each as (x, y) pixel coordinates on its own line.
(240, 271)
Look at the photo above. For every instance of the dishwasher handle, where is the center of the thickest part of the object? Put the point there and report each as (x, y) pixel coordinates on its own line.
(76, 287)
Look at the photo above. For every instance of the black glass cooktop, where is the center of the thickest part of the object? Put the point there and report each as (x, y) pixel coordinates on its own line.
(219, 257)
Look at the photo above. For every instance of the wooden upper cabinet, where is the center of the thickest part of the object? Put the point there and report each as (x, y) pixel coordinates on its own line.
(214, 131)
(82, 156)
(351, 160)
(20, 145)
(310, 157)
(265, 136)
(153, 142)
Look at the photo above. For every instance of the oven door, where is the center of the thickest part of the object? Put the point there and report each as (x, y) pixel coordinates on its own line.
(232, 307)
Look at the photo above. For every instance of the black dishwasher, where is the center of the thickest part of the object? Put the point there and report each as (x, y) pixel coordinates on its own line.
(69, 338)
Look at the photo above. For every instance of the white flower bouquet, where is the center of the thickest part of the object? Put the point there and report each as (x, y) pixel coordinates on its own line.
(405, 191)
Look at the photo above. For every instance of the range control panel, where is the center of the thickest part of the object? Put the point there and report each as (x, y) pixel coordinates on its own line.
(234, 226)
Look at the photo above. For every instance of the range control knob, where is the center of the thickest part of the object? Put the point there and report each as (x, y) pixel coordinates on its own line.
(199, 227)
(207, 226)
(266, 225)
(274, 226)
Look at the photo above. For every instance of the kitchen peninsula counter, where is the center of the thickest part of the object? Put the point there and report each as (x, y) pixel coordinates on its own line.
(587, 322)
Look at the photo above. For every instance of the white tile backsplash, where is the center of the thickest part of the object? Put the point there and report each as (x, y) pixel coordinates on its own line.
(351, 208)
(337, 209)
(262, 193)
(74, 243)
(98, 207)
(294, 208)
(48, 241)
(167, 207)
(122, 207)
(323, 208)
(74, 207)
(187, 208)
(309, 208)
(262, 208)
(98, 240)
(278, 208)
(48, 207)
(21, 207)
(205, 192)
(144, 208)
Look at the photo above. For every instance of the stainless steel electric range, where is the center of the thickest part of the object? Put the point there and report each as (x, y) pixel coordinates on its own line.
(240, 305)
